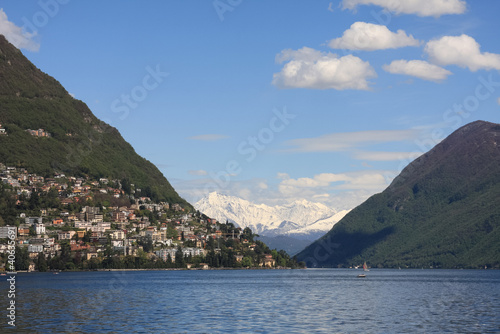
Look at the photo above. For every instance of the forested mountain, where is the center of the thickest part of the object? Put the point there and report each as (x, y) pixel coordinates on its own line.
(442, 211)
(73, 140)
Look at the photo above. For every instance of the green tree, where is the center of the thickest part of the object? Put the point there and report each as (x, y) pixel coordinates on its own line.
(179, 258)
(247, 262)
(41, 263)
(22, 258)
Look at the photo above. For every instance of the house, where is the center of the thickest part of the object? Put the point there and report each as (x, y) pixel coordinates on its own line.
(23, 231)
(33, 220)
(239, 258)
(49, 242)
(39, 228)
(119, 216)
(83, 224)
(57, 222)
(67, 235)
(66, 201)
(118, 235)
(35, 248)
(268, 261)
(204, 266)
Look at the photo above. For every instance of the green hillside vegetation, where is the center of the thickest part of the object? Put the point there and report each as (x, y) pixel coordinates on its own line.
(80, 144)
(442, 211)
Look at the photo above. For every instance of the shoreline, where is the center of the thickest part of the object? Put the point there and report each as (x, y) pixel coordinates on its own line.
(152, 269)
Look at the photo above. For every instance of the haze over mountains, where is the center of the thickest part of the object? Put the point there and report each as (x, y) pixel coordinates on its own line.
(442, 211)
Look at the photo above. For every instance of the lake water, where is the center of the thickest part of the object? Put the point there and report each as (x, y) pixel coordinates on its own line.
(256, 301)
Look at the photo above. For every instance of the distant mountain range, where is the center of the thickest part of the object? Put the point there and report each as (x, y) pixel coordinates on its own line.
(45, 130)
(442, 211)
(290, 227)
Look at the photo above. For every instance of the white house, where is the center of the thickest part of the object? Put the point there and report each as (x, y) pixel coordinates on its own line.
(39, 229)
(35, 248)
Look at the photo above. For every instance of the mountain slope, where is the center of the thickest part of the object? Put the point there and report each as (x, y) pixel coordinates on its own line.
(79, 143)
(442, 211)
(300, 220)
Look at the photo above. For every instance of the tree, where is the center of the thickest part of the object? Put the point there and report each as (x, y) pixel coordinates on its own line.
(247, 262)
(41, 263)
(22, 258)
(179, 258)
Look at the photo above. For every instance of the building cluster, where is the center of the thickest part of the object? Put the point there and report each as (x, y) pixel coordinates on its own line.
(38, 133)
(93, 228)
(92, 231)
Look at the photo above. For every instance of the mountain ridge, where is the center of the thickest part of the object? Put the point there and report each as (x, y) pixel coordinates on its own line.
(77, 142)
(441, 211)
(298, 219)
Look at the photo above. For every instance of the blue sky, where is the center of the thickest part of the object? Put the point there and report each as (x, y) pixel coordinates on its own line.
(272, 101)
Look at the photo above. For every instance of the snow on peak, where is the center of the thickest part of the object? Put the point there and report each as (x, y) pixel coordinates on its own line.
(299, 217)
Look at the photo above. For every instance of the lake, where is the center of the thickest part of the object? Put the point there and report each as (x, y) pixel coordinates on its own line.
(256, 301)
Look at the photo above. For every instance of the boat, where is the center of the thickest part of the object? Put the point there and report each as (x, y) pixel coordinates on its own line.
(365, 268)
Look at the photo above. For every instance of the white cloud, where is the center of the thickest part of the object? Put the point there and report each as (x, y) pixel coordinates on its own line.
(417, 68)
(386, 156)
(262, 185)
(462, 51)
(208, 137)
(15, 34)
(434, 8)
(283, 176)
(336, 142)
(368, 37)
(327, 182)
(309, 68)
(199, 172)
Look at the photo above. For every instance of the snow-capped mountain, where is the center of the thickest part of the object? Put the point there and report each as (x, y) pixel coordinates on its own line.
(300, 219)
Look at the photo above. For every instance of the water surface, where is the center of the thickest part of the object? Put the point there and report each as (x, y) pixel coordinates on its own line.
(257, 301)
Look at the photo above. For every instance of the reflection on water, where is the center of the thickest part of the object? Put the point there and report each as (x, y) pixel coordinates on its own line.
(257, 301)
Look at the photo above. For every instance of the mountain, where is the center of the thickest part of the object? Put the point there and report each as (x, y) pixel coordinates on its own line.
(441, 211)
(73, 140)
(300, 220)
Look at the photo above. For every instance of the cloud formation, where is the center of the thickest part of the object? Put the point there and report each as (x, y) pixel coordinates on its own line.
(326, 182)
(199, 172)
(368, 37)
(386, 156)
(310, 68)
(15, 34)
(417, 68)
(462, 51)
(208, 137)
(336, 142)
(434, 8)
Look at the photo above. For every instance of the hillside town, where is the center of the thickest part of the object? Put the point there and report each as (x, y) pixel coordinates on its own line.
(78, 223)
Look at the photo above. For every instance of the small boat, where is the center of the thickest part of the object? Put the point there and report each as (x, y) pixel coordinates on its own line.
(365, 268)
